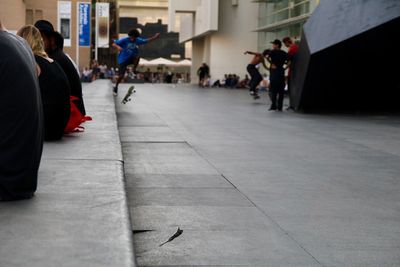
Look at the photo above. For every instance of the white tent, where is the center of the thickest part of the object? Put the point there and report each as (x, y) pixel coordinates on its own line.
(162, 65)
(185, 63)
(143, 62)
(161, 61)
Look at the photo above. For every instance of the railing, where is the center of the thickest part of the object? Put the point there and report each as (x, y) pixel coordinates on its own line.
(293, 10)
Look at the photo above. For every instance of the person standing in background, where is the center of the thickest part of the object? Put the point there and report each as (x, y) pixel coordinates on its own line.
(292, 52)
(203, 72)
(278, 59)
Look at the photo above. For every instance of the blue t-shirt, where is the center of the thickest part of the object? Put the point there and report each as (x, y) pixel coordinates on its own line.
(130, 49)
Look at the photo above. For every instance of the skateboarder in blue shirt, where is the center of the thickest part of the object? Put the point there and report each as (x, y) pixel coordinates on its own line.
(128, 48)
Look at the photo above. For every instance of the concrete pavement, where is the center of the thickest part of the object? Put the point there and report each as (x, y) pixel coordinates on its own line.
(256, 188)
(79, 215)
(248, 187)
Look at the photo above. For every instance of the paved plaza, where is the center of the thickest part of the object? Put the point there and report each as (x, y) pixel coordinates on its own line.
(250, 187)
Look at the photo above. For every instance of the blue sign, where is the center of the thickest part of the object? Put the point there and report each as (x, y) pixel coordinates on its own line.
(84, 24)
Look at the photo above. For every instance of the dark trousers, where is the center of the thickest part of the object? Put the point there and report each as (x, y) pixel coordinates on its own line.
(122, 69)
(256, 77)
(277, 93)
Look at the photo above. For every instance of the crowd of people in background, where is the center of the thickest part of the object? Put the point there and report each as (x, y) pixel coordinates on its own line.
(277, 84)
(231, 81)
(97, 71)
(102, 71)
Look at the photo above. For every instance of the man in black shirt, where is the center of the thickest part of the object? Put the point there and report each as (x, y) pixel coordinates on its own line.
(203, 72)
(278, 59)
(53, 42)
(21, 131)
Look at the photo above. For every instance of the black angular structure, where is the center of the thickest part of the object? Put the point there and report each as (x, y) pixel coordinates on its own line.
(349, 58)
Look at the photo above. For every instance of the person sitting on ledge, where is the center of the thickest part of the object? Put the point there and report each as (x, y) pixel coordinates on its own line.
(54, 86)
(53, 45)
(21, 131)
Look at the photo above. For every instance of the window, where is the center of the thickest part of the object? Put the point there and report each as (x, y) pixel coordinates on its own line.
(38, 15)
(29, 16)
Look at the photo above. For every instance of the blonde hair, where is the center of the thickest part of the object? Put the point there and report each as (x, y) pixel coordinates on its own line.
(32, 35)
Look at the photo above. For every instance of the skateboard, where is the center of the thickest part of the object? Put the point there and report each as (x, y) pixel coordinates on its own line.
(255, 94)
(127, 97)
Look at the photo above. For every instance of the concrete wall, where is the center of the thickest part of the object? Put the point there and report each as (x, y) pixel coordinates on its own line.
(180, 6)
(223, 50)
(233, 38)
(197, 59)
(145, 11)
(12, 14)
(229, 33)
(47, 7)
(204, 17)
(187, 27)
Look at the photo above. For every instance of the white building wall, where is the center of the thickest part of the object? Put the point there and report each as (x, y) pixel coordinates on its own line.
(12, 14)
(145, 15)
(186, 28)
(233, 38)
(220, 33)
(197, 59)
(204, 16)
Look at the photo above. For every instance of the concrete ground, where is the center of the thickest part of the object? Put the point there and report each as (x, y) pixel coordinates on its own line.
(250, 187)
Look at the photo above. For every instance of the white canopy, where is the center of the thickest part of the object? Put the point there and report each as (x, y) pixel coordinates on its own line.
(185, 62)
(143, 61)
(161, 61)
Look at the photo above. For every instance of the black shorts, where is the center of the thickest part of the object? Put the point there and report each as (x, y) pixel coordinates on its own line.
(123, 67)
(255, 75)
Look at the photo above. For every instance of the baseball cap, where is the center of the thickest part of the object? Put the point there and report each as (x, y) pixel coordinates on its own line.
(44, 26)
(287, 39)
(277, 42)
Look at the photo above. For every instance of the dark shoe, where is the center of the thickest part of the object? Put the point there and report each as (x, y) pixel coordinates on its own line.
(115, 91)
(256, 96)
(272, 108)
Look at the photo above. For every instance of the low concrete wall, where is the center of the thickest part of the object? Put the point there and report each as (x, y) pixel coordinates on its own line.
(79, 215)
